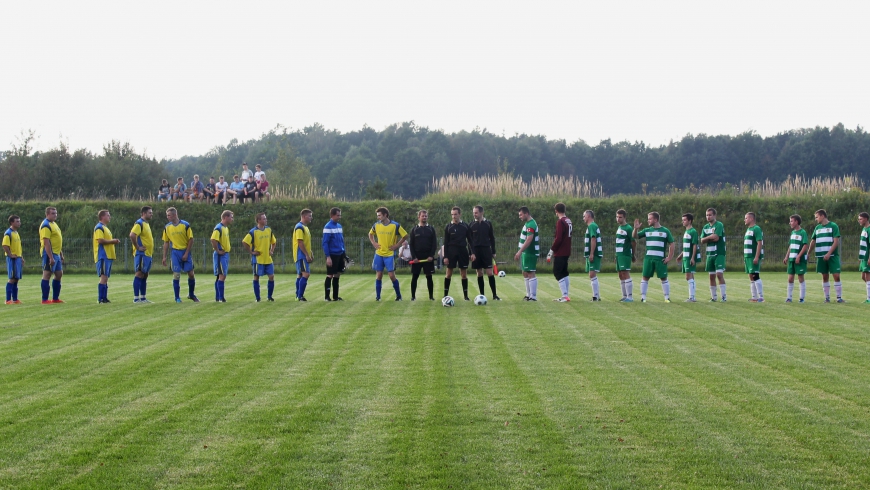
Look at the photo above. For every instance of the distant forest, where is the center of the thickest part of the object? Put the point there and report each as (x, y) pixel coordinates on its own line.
(406, 157)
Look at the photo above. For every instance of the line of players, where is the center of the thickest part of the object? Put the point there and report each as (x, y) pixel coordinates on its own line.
(463, 244)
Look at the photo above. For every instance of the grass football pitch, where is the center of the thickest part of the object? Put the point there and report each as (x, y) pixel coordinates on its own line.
(360, 394)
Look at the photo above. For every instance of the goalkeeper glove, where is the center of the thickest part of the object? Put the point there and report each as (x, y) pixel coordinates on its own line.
(549, 256)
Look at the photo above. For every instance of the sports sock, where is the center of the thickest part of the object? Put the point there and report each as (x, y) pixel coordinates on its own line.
(666, 288)
(492, 285)
(465, 287)
(753, 289)
(15, 291)
(45, 289)
(303, 283)
(867, 284)
(713, 292)
(99, 292)
(55, 289)
(143, 285)
(533, 288)
(622, 286)
(838, 287)
(378, 284)
(297, 285)
(563, 286)
(760, 289)
(722, 290)
(826, 286)
(270, 288)
(790, 290)
(335, 287)
(430, 285)
(256, 285)
(327, 285)
(594, 282)
(191, 286)
(136, 287)
(414, 278)
(217, 290)
(526, 281)
(629, 288)
(396, 287)
(691, 288)
(480, 284)
(644, 284)
(176, 286)
(446, 286)
(8, 291)
(803, 290)
(221, 287)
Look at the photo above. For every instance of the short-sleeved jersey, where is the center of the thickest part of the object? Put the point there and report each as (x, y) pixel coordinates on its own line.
(179, 235)
(690, 237)
(863, 244)
(623, 240)
(142, 230)
(387, 236)
(714, 248)
(12, 240)
(824, 236)
(752, 240)
(261, 241)
(530, 232)
(103, 251)
(49, 229)
(221, 234)
(657, 240)
(796, 242)
(301, 232)
(592, 231)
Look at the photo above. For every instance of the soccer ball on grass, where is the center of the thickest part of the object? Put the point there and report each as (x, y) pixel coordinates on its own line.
(501, 274)
(447, 302)
(480, 300)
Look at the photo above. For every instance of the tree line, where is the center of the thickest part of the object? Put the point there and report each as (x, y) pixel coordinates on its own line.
(402, 159)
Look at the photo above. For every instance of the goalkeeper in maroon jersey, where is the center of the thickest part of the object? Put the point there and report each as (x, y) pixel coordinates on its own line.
(561, 251)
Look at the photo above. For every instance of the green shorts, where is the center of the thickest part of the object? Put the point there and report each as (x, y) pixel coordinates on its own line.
(715, 263)
(751, 268)
(623, 263)
(797, 269)
(529, 262)
(830, 266)
(655, 265)
(863, 267)
(688, 267)
(593, 265)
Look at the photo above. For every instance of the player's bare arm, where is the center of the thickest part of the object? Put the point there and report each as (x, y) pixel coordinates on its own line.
(670, 253)
(217, 247)
(165, 249)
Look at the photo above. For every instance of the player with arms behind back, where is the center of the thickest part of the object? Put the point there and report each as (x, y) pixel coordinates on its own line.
(691, 254)
(220, 243)
(826, 238)
(624, 255)
(104, 254)
(51, 251)
(753, 254)
(143, 249)
(14, 259)
(713, 238)
(179, 234)
(528, 253)
(560, 252)
(260, 242)
(796, 257)
(302, 252)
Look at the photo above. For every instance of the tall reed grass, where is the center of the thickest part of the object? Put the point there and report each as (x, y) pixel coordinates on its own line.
(794, 185)
(506, 185)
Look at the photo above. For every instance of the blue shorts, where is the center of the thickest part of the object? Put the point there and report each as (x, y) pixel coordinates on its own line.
(104, 267)
(302, 265)
(13, 267)
(263, 269)
(177, 265)
(221, 264)
(381, 263)
(46, 266)
(142, 263)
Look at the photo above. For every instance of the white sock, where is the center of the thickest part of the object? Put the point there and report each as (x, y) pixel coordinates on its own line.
(666, 288)
(868, 290)
(790, 290)
(803, 290)
(644, 284)
(563, 287)
(760, 289)
(622, 285)
(722, 290)
(594, 282)
(567, 285)
(526, 280)
(713, 292)
(533, 288)
(629, 288)
(838, 287)
(692, 288)
(827, 287)
(752, 289)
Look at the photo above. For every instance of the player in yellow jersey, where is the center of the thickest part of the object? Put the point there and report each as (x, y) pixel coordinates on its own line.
(179, 234)
(386, 236)
(104, 254)
(51, 251)
(220, 242)
(260, 243)
(14, 259)
(143, 249)
(302, 252)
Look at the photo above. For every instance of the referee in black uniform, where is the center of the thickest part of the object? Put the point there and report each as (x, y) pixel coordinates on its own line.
(482, 241)
(456, 242)
(423, 243)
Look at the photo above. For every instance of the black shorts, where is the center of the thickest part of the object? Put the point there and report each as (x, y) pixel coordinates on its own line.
(337, 265)
(560, 267)
(457, 257)
(427, 268)
(482, 258)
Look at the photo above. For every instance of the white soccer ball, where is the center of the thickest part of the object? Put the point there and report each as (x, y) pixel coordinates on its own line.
(447, 301)
(480, 300)
(501, 274)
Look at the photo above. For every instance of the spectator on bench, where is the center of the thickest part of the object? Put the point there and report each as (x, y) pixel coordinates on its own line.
(245, 172)
(221, 191)
(180, 190)
(210, 192)
(164, 192)
(258, 173)
(196, 190)
(236, 188)
(250, 193)
(262, 187)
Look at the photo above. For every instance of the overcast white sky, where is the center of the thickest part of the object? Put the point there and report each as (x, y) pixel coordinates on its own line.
(180, 77)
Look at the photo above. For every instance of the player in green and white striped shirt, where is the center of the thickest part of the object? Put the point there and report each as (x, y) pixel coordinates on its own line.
(713, 239)
(753, 254)
(529, 250)
(592, 250)
(864, 251)
(658, 238)
(826, 237)
(691, 254)
(796, 257)
(624, 255)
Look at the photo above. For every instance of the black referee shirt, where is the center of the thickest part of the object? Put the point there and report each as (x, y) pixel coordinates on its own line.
(423, 242)
(456, 235)
(481, 235)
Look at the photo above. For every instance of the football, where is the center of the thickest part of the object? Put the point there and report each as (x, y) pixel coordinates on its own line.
(480, 300)
(447, 301)
(501, 274)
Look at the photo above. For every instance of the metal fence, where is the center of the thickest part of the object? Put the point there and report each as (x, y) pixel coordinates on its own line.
(79, 253)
